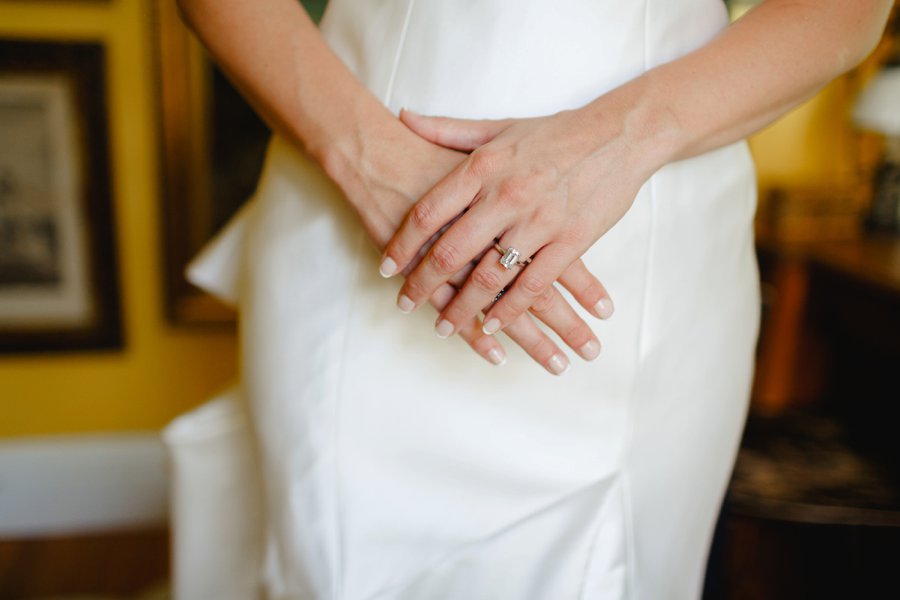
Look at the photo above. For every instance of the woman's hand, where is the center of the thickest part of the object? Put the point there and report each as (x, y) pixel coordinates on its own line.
(551, 186)
(543, 186)
(393, 169)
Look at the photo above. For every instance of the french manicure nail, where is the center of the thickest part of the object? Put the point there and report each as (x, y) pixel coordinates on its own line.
(388, 267)
(590, 351)
(558, 364)
(491, 326)
(604, 308)
(497, 356)
(405, 304)
(444, 328)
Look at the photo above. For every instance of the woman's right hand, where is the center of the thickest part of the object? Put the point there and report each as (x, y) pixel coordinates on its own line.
(391, 170)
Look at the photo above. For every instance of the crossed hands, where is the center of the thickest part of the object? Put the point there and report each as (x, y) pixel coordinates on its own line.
(462, 192)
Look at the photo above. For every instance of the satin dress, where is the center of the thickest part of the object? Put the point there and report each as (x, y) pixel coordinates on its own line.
(399, 466)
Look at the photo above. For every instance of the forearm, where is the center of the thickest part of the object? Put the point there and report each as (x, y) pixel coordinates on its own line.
(759, 68)
(274, 54)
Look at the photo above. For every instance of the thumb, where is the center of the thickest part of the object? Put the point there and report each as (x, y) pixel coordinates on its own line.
(458, 134)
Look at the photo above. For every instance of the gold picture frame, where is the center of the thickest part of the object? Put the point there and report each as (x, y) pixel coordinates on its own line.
(212, 149)
(59, 285)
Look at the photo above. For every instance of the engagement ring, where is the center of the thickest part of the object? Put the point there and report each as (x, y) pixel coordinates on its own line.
(510, 257)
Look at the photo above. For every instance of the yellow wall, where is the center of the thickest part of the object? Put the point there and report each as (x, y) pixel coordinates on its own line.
(814, 145)
(163, 370)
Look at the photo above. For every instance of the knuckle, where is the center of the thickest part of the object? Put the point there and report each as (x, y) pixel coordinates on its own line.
(441, 297)
(544, 303)
(585, 291)
(480, 162)
(551, 219)
(444, 257)
(576, 335)
(486, 280)
(511, 190)
(533, 286)
(457, 312)
(422, 216)
(459, 277)
(507, 309)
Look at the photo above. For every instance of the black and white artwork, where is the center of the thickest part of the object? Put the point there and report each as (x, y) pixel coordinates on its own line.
(58, 278)
(43, 263)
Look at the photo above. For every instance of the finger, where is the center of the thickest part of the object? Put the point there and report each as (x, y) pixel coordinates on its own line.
(587, 290)
(456, 282)
(480, 289)
(485, 345)
(421, 252)
(468, 237)
(447, 199)
(525, 332)
(459, 278)
(555, 312)
(532, 283)
(577, 279)
(459, 134)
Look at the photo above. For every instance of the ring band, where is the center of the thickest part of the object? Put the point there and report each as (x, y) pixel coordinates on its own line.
(510, 257)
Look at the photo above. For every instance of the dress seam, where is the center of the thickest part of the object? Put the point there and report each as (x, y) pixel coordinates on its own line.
(401, 44)
(340, 558)
(592, 551)
(631, 578)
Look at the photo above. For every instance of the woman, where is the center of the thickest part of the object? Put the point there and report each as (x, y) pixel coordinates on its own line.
(394, 465)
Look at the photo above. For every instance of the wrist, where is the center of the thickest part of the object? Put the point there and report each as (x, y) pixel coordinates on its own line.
(348, 152)
(638, 119)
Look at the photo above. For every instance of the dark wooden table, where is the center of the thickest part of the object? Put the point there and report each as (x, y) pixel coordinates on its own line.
(813, 510)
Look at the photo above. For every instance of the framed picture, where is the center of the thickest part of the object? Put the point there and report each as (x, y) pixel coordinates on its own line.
(58, 273)
(212, 153)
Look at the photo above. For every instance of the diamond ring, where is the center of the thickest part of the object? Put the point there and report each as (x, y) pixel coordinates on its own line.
(510, 257)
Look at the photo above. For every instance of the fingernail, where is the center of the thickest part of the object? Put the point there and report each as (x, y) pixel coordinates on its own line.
(497, 356)
(590, 351)
(604, 308)
(558, 364)
(405, 304)
(444, 328)
(491, 326)
(388, 267)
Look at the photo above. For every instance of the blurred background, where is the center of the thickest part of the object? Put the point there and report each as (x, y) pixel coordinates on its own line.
(122, 150)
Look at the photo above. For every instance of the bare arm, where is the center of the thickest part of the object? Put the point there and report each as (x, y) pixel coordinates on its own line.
(274, 53)
(780, 54)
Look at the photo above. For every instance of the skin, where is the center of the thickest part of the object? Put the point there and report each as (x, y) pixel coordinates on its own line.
(552, 186)
(275, 55)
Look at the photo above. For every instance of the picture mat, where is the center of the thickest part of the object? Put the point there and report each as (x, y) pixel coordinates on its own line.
(44, 270)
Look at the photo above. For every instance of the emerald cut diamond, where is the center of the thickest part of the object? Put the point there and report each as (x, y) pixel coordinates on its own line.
(510, 257)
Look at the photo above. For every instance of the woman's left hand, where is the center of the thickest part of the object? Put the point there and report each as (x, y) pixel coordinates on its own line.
(548, 187)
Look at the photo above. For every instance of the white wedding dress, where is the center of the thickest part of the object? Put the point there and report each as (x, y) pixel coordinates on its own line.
(399, 466)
